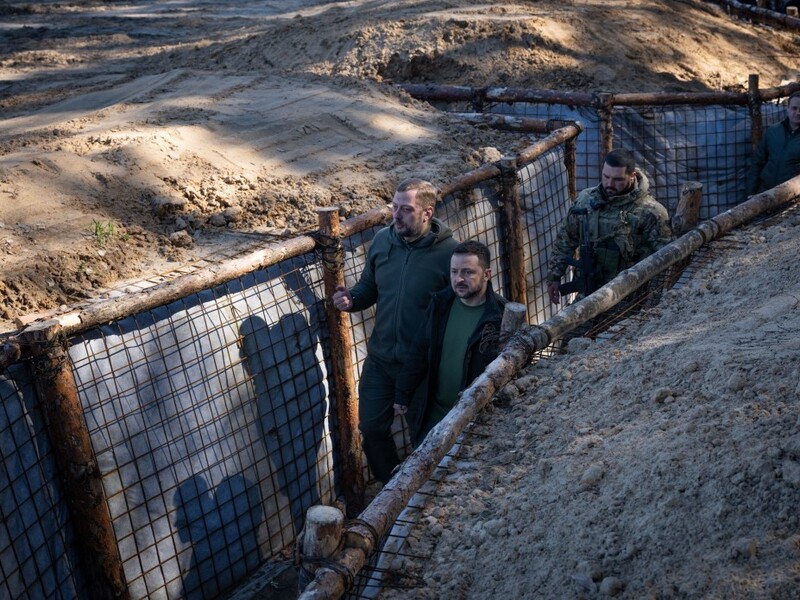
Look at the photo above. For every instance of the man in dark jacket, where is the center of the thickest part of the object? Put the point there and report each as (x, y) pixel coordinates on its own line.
(777, 156)
(406, 263)
(455, 343)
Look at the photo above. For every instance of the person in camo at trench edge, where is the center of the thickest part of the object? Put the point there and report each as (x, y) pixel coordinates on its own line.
(626, 224)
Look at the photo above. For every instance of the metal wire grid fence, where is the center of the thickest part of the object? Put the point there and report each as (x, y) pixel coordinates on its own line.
(209, 420)
(672, 144)
(37, 553)
(211, 417)
(544, 194)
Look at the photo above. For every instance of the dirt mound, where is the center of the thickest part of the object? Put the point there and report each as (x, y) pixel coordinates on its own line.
(187, 125)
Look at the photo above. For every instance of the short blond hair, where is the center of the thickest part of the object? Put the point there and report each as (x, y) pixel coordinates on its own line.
(427, 194)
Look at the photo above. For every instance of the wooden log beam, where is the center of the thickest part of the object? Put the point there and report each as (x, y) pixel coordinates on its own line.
(760, 14)
(506, 122)
(687, 214)
(556, 138)
(508, 94)
(444, 93)
(322, 532)
(781, 91)
(754, 106)
(570, 160)
(514, 316)
(513, 235)
(606, 113)
(678, 98)
(511, 95)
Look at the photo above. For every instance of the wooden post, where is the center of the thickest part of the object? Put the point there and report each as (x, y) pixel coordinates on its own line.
(322, 533)
(570, 153)
(687, 214)
(344, 386)
(509, 181)
(72, 449)
(754, 104)
(514, 315)
(606, 125)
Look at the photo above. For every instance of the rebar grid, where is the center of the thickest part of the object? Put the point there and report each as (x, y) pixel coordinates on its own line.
(209, 420)
(210, 416)
(37, 551)
(672, 144)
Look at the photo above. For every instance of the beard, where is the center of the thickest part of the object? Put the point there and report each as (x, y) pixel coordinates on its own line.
(408, 230)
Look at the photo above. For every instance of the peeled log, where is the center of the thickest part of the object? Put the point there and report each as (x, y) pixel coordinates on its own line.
(514, 316)
(322, 532)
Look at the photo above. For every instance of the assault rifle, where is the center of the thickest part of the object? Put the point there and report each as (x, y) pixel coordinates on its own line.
(587, 277)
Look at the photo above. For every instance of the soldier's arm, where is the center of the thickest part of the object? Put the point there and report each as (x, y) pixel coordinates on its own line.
(567, 240)
(655, 234)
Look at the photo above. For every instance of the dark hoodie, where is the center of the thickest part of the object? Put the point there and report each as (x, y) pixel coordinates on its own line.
(400, 277)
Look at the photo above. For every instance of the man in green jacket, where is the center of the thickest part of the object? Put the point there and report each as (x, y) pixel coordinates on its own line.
(455, 343)
(625, 223)
(406, 263)
(777, 156)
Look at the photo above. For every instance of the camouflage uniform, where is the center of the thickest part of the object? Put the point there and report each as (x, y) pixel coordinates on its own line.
(623, 230)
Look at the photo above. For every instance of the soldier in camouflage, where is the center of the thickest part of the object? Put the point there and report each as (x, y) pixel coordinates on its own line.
(626, 224)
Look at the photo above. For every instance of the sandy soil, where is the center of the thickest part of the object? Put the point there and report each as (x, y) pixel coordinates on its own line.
(137, 137)
(662, 464)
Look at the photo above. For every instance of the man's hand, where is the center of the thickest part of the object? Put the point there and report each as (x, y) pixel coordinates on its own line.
(400, 409)
(342, 298)
(552, 291)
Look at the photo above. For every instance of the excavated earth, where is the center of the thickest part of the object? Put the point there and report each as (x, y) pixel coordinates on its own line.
(140, 137)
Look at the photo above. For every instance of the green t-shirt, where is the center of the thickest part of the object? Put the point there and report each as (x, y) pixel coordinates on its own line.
(461, 324)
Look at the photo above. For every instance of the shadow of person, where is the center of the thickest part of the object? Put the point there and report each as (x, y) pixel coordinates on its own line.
(195, 518)
(241, 514)
(222, 530)
(291, 402)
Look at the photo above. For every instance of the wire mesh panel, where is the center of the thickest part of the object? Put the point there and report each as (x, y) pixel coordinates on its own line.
(545, 199)
(587, 145)
(211, 417)
(672, 144)
(678, 144)
(474, 215)
(37, 552)
(208, 418)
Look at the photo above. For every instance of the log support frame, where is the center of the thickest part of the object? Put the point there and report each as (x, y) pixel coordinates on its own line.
(77, 465)
(341, 348)
(512, 226)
